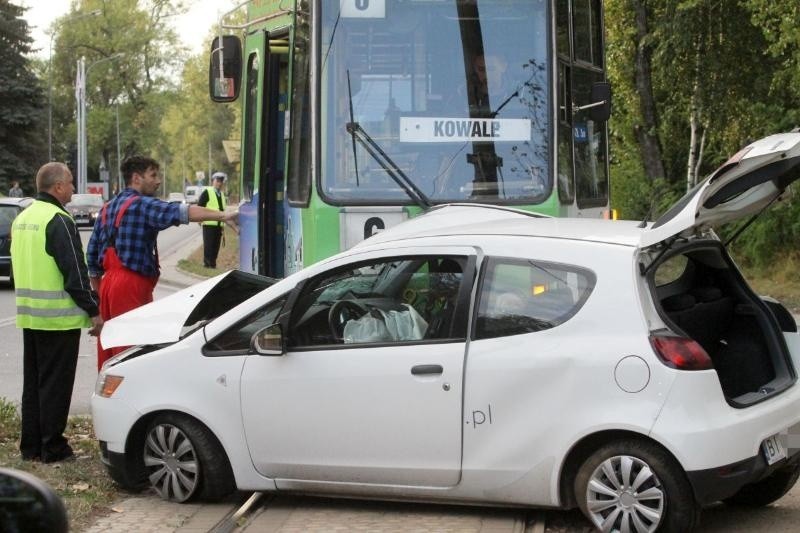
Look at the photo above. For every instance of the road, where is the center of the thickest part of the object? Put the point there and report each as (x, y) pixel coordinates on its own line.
(169, 242)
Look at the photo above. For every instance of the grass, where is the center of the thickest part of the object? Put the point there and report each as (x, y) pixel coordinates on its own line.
(227, 259)
(781, 280)
(83, 484)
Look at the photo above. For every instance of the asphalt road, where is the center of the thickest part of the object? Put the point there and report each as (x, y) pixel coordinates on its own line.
(170, 241)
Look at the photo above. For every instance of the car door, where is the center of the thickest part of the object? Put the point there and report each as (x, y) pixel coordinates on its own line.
(369, 391)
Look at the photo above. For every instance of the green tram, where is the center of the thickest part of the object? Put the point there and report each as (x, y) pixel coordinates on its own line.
(358, 114)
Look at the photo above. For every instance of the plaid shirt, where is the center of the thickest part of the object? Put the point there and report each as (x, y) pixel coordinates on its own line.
(136, 237)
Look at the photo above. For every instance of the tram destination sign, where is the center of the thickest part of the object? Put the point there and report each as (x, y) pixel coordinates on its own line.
(445, 130)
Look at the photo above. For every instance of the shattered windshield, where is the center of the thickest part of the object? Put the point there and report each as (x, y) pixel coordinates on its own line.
(455, 92)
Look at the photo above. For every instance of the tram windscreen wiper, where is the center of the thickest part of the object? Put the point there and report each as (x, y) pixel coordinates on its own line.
(383, 159)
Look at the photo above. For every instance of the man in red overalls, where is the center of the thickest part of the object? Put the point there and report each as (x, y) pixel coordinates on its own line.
(122, 252)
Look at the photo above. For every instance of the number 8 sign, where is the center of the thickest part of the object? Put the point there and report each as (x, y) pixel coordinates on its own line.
(363, 8)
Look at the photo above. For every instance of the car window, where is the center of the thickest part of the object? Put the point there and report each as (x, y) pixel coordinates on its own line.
(671, 270)
(7, 214)
(407, 299)
(520, 296)
(236, 339)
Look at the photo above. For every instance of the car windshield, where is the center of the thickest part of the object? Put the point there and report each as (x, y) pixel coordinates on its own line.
(455, 93)
(90, 200)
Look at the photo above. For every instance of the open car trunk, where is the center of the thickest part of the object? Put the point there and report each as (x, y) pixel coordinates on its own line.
(700, 293)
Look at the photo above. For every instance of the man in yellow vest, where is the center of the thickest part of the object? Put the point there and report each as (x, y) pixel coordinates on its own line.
(212, 198)
(54, 301)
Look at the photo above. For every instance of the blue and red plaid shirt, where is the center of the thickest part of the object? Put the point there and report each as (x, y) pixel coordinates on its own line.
(135, 240)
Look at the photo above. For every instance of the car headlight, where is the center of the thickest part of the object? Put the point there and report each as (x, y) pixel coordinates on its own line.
(107, 385)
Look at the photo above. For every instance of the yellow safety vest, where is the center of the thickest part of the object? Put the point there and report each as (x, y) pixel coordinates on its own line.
(214, 204)
(42, 302)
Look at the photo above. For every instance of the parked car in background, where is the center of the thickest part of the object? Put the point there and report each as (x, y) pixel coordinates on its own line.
(9, 209)
(193, 194)
(480, 354)
(85, 208)
(177, 197)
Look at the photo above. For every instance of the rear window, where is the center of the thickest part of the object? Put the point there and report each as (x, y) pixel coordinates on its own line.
(521, 296)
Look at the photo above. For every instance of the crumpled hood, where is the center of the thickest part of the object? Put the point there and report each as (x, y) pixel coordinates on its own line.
(165, 320)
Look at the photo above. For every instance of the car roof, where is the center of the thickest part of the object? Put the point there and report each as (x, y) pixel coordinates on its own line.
(23, 202)
(448, 220)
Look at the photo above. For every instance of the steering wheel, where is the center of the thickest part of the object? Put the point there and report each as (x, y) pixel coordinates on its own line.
(340, 313)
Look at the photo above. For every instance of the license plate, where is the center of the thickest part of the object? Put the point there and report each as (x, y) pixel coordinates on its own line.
(773, 449)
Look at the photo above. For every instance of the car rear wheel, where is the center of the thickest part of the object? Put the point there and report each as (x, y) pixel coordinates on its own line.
(770, 489)
(635, 486)
(185, 461)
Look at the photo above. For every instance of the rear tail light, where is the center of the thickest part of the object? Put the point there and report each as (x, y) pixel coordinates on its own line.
(681, 353)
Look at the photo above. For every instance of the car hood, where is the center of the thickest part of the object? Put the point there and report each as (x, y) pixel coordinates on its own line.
(169, 319)
(747, 183)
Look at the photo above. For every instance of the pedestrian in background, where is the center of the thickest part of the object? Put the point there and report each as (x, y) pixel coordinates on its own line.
(213, 232)
(123, 254)
(15, 191)
(54, 301)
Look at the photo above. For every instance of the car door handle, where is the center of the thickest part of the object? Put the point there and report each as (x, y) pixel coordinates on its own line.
(422, 370)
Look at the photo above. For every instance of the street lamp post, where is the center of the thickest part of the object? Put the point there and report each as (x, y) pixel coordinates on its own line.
(80, 95)
(50, 78)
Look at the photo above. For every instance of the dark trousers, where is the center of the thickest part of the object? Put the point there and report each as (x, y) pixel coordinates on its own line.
(212, 236)
(50, 359)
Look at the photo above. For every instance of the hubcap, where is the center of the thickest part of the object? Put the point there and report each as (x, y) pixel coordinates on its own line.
(624, 495)
(171, 463)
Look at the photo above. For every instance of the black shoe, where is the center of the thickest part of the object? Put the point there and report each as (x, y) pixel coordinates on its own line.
(65, 456)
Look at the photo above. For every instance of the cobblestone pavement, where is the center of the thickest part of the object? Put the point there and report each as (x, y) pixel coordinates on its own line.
(286, 514)
(300, 515)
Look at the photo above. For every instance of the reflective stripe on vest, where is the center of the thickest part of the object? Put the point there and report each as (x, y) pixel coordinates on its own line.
(214, 204)
(42, 302)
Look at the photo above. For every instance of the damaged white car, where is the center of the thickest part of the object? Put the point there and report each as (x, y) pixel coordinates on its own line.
(482, 355)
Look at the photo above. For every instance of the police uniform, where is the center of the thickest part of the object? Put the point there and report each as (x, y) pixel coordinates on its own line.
(212, 198)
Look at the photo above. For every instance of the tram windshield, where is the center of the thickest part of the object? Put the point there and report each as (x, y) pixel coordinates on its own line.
(455, 93)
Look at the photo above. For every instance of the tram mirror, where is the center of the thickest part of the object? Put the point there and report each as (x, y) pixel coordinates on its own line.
(601, 96)
(225, 69)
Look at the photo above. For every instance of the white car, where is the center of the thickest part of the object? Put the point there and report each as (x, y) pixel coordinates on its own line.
(480, 355)
(192, 194)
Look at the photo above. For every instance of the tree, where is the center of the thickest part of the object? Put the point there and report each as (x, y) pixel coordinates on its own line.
(194, 126)
(22, 147)
(138, 82)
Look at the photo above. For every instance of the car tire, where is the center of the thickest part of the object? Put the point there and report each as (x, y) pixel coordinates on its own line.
(662, 501)
(184, 461)
(770, 489)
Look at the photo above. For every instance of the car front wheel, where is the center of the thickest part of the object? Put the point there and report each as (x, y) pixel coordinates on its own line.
(185, 461)
(635, 486)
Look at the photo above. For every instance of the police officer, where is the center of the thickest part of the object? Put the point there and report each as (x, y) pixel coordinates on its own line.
(54, 301)
(212, 198)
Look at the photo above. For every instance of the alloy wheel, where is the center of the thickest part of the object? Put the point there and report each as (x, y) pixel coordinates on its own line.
(171, 461)
(624, 495)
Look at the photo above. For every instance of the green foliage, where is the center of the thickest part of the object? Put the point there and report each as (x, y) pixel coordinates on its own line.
(21, 102)
(735, 67)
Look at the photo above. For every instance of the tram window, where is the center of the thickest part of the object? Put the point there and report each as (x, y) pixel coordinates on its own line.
(562, 28)
(587, 32)
(251, 128)
(589, 144)
(566, 175)
(298, 186)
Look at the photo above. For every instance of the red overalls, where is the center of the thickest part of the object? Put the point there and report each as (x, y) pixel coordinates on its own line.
(121, 289)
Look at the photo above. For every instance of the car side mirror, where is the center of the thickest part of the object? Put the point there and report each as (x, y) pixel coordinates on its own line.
(29, 504)
(225, 69)
(268, 341)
